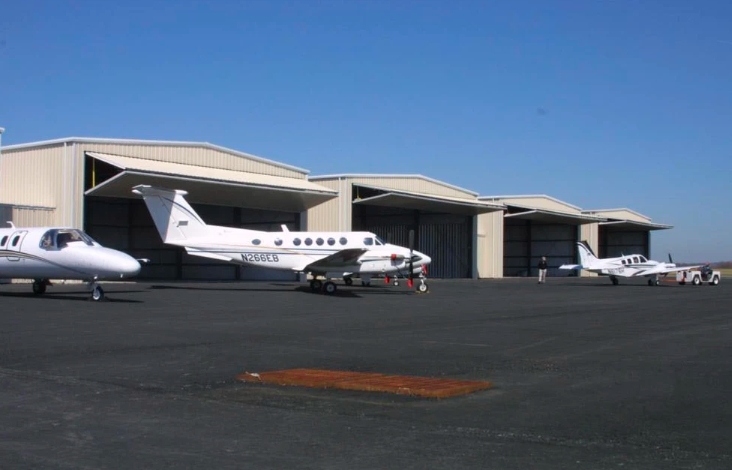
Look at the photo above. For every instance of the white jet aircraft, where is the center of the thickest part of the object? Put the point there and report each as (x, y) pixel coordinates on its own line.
(44, 253)
(634, 265)
(321, 254)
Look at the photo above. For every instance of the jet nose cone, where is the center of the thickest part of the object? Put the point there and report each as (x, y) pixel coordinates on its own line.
(125, 265)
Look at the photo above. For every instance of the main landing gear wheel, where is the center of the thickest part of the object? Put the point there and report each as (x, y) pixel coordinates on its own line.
(329, 287)
(614, 280)
(652, 282)
(316, 284)
(348, 281)
(39, 286)
(97, 293)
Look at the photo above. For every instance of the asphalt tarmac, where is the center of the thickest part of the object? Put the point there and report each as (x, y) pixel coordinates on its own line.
(586, 376)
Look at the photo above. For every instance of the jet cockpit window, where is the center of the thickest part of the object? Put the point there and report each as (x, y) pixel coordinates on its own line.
(368, 241)
(60, 238)
(642, 259)
(379, 241)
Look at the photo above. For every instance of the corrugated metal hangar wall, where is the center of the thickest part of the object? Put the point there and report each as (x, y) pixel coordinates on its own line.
(526, 241)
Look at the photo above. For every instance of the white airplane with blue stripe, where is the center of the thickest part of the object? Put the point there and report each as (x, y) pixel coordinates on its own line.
(634, 265)
(328, 255)
(65, 253)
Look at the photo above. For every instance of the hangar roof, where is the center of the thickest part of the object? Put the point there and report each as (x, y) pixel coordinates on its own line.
(411, 200)
(542, 208)
(154, 143)
(211, 185)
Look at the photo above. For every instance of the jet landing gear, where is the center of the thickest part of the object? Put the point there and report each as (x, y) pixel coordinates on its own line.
(97, 293)
(614, 280)
(654, 282)
(39, 286)
(327, 287)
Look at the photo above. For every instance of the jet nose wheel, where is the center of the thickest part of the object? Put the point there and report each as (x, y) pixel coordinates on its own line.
(423, 288)
(97, 293)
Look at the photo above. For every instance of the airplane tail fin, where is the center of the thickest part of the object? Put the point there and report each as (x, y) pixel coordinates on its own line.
(587, 256)
(174, 218)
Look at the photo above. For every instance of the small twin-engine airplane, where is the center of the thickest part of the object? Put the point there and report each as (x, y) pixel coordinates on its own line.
(45, 253)
(320, 254)
(624, 266)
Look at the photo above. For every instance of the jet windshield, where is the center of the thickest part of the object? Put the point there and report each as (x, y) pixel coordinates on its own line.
(379, 241)
(60, 238)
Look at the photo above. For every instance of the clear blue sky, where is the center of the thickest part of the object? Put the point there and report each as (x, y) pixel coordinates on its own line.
(602, 104)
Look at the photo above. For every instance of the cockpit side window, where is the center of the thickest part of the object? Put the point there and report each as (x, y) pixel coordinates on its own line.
(64, 237)
(48, 240)
(379, 241)
(368, 241)
(635, 260)
(642, 259)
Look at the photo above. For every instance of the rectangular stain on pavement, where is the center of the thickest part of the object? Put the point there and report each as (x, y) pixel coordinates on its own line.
(369, 382)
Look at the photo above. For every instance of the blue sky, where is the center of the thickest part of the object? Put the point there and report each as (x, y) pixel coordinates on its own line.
(602, 104)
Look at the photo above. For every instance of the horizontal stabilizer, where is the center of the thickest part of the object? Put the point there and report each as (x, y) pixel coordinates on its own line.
(570, 266)
(206, 254)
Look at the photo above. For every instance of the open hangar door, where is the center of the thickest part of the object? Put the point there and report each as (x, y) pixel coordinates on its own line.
(624, 237)
(117, 218)
(530, 234)
(444, 227)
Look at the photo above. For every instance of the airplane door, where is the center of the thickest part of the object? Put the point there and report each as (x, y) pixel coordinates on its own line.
(15, 242)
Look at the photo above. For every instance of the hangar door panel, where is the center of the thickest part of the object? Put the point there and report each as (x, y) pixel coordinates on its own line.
(526, 241)
(446, 238)
(125, 224)
(618, 243)
(557, 243)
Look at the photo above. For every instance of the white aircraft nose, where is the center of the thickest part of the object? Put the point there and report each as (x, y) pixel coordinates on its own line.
(123, 264)
(424, 259)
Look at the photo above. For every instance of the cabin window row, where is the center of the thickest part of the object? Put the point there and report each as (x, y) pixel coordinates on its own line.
(320, 241)
(5, 240)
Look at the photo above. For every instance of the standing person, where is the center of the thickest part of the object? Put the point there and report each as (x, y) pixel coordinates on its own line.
(542, 270)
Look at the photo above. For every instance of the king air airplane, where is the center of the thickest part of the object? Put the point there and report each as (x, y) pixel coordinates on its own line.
(320, 254)
(624, 266)
(44, 253)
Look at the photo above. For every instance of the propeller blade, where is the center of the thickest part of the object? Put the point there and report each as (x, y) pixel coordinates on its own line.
(411, 255)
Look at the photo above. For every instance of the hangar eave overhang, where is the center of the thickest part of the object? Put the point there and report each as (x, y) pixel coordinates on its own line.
(211, 185)
(407, 200)
(625, 225)
(547, 216)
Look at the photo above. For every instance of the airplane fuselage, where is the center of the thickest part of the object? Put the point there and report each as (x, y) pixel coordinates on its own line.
(293, 251)
(69, 254)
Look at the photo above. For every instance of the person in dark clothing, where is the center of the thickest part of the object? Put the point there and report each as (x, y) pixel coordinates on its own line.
(542, 270)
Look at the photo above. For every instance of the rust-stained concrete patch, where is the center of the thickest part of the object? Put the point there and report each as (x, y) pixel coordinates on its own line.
(368, 381)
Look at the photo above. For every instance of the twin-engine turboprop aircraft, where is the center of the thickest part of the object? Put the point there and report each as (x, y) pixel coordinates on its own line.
(624, 266)
(44, 253)
(320, 254)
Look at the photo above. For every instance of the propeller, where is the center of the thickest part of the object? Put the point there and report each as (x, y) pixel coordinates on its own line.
(410, 281)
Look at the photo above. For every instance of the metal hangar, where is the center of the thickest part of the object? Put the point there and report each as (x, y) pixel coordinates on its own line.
(443, 216)
(531, 227)
(87, 183)
(624, 231)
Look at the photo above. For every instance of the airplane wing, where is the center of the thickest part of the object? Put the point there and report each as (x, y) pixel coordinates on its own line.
(339, 259)
(664, 270)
